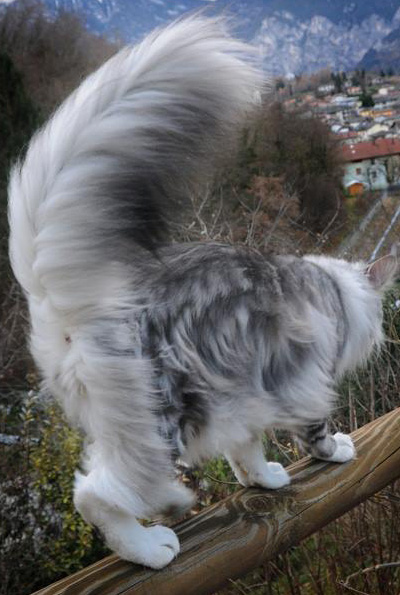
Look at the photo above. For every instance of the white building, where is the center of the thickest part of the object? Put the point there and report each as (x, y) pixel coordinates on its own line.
(373, 165)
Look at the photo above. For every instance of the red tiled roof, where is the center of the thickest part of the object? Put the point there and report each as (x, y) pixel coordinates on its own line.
(381, 147)
(345, 135)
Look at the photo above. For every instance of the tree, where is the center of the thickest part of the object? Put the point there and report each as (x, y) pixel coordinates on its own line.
(19, 118)
(337, 80)
(358, 78)
(52, 54)
(300, 148)
(367, 100)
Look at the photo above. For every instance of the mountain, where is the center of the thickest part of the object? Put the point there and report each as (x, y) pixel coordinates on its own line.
(385, 55)
(307, 36)
(293, 36)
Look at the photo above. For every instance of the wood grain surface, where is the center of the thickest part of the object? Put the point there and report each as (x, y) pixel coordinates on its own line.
(239, 533)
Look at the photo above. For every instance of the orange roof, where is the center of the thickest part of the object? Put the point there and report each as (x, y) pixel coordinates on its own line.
(346, 135)
(381, 147)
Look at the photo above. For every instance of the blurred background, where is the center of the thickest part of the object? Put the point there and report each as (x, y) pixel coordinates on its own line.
(318, 171)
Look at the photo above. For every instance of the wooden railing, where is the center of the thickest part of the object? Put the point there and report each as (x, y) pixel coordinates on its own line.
(239, 533)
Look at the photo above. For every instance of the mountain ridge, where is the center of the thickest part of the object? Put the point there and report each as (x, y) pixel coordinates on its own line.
(292, 36)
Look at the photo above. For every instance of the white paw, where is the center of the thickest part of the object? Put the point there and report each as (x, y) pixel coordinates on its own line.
(160, 547)
(151, 546)
(345, 450)
(272, 476)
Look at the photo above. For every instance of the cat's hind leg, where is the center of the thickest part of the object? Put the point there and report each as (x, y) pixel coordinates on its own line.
(128, 467)
(251, 469)
(337, 448)
(100, 502)
(113, 497)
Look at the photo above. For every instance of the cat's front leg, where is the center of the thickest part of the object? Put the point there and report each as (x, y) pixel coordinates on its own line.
(337, 448)
(251, 469)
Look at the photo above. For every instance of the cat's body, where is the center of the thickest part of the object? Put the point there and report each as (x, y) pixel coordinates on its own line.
(161, 350)
(235, 336)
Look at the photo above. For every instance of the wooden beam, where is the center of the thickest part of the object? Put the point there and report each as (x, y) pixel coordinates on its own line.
(229, 539)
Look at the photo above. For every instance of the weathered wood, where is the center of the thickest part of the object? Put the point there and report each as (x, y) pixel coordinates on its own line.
(239, 533)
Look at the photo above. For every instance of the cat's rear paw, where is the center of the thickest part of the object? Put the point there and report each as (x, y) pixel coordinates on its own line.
(178, 500)
(161, 548)
(153, 546)
(345, 450)
(272, 476)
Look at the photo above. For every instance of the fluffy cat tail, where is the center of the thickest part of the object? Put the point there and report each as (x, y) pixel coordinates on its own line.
(101, 180)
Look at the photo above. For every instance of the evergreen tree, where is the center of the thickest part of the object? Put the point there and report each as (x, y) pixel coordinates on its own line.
(367, 100)
(18, 120)
(337, 80)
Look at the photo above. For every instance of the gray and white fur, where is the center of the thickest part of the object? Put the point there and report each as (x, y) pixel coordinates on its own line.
(159, 350)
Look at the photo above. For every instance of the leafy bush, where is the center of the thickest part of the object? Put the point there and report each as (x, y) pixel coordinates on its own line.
(42, 537)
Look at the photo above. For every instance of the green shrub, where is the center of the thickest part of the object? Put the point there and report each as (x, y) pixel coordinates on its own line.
(42, 537)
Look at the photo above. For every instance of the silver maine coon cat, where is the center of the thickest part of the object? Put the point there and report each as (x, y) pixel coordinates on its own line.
(159, 350)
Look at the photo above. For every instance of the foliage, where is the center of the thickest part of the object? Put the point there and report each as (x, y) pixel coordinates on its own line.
(282, 193)
(54, 460)
(367, 100)
(338, 80)
(358, 78)
(18, 119)
(213, 481)
(53, 54)
(300, 148)
(42, 537)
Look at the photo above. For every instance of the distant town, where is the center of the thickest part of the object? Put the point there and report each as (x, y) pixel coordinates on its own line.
(363, 112)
